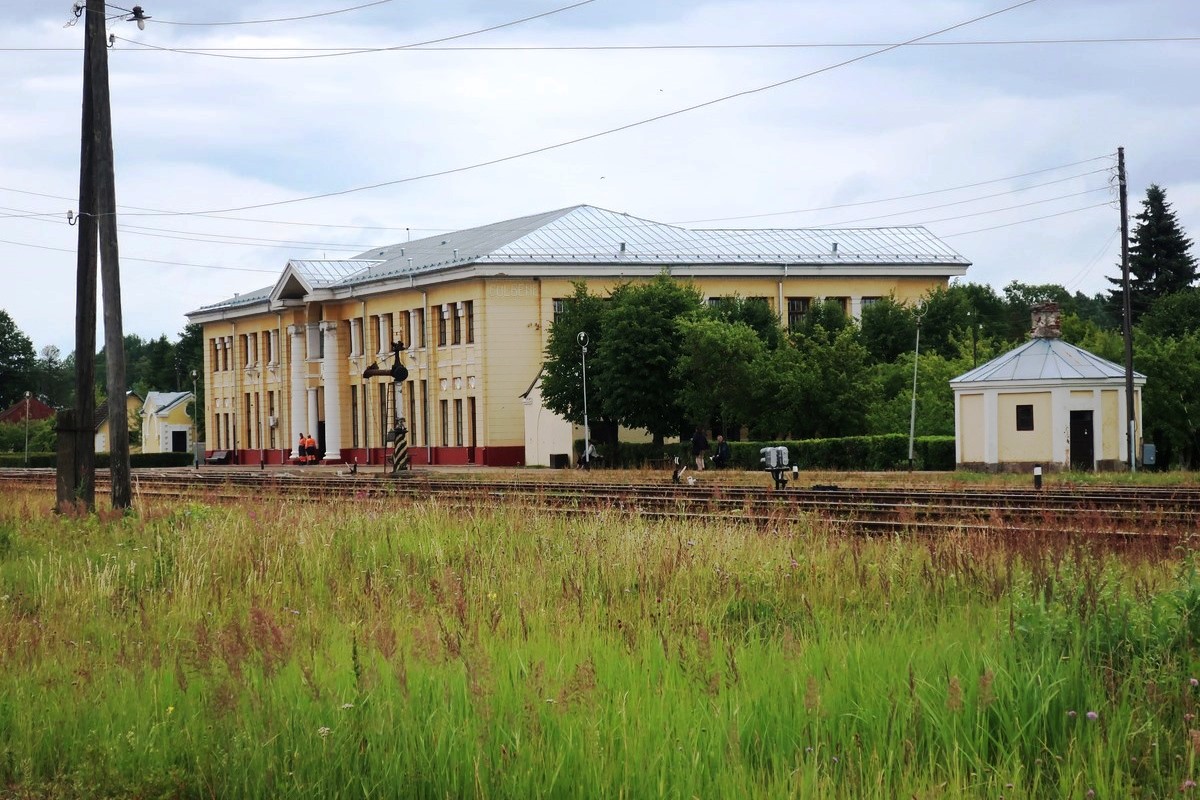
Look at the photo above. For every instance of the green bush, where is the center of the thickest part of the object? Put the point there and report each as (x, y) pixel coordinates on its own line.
(136, 460)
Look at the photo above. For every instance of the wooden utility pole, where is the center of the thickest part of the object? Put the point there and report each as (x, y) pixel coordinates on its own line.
(1131, 421)
(110, 272)
(97, 220)
(77, 470)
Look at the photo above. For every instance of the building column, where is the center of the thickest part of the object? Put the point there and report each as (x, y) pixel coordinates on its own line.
(312, 413)
(1060, 417)
(356, 348)
(331, 373)
(296, 384)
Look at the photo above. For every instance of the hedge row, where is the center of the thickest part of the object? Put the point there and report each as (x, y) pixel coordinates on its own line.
(135, 460)
(886, 452)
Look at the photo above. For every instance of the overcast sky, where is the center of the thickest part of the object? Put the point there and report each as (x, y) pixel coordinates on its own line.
(1037, 126)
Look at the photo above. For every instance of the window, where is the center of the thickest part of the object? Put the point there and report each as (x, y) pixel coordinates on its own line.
(1025, 418)
(458, 423)
(353, 415)
(867, 302)
(425, 413)
(445, 409)
(404, 329)
(797, 311)
(272, 420)
(249, 424)
(443, 312)
(469, 308)
(412, 411)
(560, 308)
(315, 342)
(456, 312)
(418, 334)
(471, 420)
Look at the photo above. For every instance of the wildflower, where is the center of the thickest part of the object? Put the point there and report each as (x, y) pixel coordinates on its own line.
(170, 710)
(347, 705)
(1092, 716)
(1071, 714)
(491, 597)
(323, 731)
(1194, 682)
(1186, 785)
(1090, 793)
(1188, 717)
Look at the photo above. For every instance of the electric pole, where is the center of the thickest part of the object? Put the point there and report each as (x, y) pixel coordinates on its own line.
(1131, 421)
(97, 220)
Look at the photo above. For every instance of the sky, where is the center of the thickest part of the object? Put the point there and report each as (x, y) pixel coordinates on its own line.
(1001, 135)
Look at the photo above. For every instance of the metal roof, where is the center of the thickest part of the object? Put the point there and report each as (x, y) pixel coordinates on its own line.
(586, 235)
(161, 403)
(321, 274)
(1042, 360)
(590, 234)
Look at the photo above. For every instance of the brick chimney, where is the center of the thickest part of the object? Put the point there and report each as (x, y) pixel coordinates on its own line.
(1046, 321)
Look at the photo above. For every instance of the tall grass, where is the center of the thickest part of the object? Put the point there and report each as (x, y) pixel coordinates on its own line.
(378, 650)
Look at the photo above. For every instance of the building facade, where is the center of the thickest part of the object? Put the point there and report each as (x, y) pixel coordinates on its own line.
(1047, 403)
(166, 425)
(473, 309)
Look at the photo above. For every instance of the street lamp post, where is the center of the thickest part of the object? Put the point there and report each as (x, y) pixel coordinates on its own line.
(195, 426)
(912, 415)
(27, 430)
(582, 338)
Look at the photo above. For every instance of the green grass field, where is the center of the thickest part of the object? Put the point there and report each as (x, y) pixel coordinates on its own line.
(364, 649)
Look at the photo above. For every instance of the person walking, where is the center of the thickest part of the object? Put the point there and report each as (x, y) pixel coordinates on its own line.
(699, 448)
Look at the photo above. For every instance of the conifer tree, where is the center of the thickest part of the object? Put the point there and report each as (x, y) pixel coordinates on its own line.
(1160, 261)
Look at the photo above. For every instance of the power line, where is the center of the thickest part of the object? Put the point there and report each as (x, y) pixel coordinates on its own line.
(918, 194)
(158, 21)
(963, 202)
(1024, 221)
(302, 243)
(609, 131)
(144, 260)
(488, 29)
(357, 49)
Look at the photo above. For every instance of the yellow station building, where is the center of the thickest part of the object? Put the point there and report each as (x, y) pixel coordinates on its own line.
(474, 309)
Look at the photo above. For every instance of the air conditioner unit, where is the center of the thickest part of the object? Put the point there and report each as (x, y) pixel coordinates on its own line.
(273, 421)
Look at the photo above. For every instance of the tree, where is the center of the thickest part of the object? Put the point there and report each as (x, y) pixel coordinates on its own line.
(1174, 315)
(888, 329)
(1171, 398)
(1160, 262)
(641, 345)
(562, 379)
(17, 362)
(55, 377)
(754, 312)
(715, 369)
(189, 356)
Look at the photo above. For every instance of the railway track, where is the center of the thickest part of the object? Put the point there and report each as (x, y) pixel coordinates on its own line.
(1161, 515)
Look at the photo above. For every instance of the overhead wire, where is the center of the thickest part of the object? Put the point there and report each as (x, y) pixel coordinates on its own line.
(144, 260)
(918, 194)
(960, 216)
(609, 131)
(511, 23)
(222, 238)
(355, 49)
(160, 21)
(1024, 221)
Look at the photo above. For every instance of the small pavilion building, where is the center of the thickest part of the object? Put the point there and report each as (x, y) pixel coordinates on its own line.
(1047, 403)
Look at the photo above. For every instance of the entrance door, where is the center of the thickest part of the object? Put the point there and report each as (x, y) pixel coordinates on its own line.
(178, 441)
(1082, 441)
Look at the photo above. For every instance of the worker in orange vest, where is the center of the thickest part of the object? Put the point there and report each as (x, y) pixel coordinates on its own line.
(310, 447)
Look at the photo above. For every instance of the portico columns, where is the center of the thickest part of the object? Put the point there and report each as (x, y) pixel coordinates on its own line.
(296, 384)
(332, 372)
